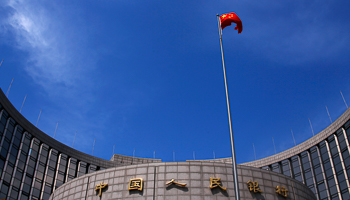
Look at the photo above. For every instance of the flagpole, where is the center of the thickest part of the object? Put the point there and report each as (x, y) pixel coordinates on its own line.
(234, 165)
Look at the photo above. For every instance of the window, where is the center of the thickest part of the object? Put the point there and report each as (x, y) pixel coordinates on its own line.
(276, 168)
(82, 168)
(286, 168)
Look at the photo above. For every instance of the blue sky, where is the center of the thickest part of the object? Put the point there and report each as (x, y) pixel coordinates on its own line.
(148, 74)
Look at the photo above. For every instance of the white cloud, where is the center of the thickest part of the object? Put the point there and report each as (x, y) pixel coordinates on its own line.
(59, 60)
(57, 52)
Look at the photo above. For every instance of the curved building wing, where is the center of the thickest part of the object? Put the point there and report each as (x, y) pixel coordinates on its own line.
(321, 162)
(33, 165)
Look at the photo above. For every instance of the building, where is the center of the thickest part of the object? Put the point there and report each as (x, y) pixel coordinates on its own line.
(35, 166)
(166, 181)
(322, 162)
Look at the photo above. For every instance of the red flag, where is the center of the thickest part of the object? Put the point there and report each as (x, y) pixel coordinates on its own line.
(228, 18)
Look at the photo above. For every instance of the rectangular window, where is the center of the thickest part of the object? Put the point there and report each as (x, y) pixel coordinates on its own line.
(39, 175)
(36, 192)
(286, 168)
(92, 168)
(333, 190)
(19, 174)
(16, 142)
(319, 177)
(72, 165)
(345, 195)
(7, 178)
(4, 190)
(21, 165)
(276, 168)
(14, 194)
(47, 188)
(82, 168)
(26, 188)
(323, 195)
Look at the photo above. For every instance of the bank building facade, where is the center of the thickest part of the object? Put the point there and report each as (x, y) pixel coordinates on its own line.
(35, 166)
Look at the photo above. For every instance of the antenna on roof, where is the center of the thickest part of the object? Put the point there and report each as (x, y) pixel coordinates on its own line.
(344, 100)
(313, 134)
(173, 155)
(8, 91)
(55, 130)
(293, 137)
(194, 155)
(329, 115)
(74, 137)
(274, 145)
(154, 154)
(254, 151)
(93, 147)
(133, 155)
(113, 148)
(214, 154)
(36, 125)
(23, 104)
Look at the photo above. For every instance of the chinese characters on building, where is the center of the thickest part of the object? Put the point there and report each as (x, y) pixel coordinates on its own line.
(281, 191)
(254, 186)
(215, 182)
(136, 184)
(100, 187)
(176, 183)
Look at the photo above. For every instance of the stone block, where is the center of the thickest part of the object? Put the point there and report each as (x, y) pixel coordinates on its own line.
(160, 176)
(208, 169)
(195, 169)
(196, 197)
(150, 177)
(183, 176)
(183, 168)
(161, 169)
(142, 170)
(257, 174)
(131, 171)
(196, 191)
(171, 169)
(100, 177)
(195, 176)
(169, 176)
(184, 198)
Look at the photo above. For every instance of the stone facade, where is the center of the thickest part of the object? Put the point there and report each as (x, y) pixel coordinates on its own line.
(195, 174)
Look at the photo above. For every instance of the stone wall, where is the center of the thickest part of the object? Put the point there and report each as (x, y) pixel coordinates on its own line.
(195, 174)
